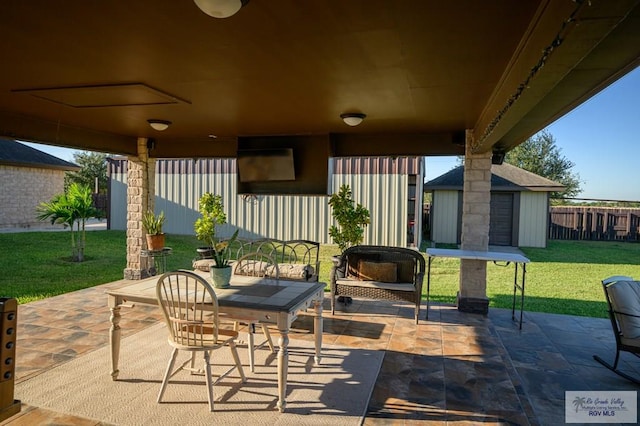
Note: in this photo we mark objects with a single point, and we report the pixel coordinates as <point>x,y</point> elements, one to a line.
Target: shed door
<point>501,222</point>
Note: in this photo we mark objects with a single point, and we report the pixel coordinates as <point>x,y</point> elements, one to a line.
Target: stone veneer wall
<point>22,190</point>
<point>140,184</point>
<point>476,210</point>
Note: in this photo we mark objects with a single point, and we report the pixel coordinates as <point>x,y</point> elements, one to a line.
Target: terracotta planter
<point>220,277</point>
<point>155,242</point>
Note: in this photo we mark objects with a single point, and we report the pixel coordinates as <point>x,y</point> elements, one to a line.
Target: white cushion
<point>203,264</point>
<point>294,271</point>
<point>251,267</point>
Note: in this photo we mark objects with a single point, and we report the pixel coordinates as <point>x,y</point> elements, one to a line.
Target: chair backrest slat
<point>190,308</point>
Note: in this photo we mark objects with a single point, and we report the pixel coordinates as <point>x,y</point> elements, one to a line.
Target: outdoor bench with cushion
<point>296,259</point>
<point>378,272</point>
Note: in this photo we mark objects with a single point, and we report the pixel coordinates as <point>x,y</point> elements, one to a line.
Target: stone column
<point>140,198</point>
<point>472,296</point>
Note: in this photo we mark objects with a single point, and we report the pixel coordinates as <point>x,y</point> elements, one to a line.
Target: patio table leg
<point>114,336</point>
<point>317,329</point>
<point>114,340</point>
<point>283,367</point>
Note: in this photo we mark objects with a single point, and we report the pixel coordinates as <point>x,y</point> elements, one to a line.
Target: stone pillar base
<point>136,274</point>
<point>473,305</point>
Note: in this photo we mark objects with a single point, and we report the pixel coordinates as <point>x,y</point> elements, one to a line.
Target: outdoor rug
<point>336,392</point>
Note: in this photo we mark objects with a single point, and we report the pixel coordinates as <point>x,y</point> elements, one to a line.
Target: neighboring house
<point>391,188</point>
<point>519,207</point>
<point>29,177</point>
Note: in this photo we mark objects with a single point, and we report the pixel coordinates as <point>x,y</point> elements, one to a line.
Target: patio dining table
<point>247,297</point>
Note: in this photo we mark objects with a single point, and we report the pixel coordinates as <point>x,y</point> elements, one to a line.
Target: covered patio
<point>455,367</point>
<point>430,78</point>
<point>424,78</point>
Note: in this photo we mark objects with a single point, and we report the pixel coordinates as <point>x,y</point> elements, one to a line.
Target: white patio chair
<point>190,309</point>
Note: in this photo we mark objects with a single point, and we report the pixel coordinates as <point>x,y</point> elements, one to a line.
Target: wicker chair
<point>623,300</point>
<point>378,272</point>
<point>190,309</point>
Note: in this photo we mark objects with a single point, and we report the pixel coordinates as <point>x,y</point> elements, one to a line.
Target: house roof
<point>504,177</point>
<point>14,153</point>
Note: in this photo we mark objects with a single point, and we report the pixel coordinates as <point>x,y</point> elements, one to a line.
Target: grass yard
<point>563,278</point>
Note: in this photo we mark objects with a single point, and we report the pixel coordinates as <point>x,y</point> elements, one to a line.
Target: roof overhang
<point>89,76</point>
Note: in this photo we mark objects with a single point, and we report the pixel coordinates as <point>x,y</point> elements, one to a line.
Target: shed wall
<point>444,225</point>
<point>534,208</point>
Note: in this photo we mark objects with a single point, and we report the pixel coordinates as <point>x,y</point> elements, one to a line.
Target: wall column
<point>140,198</point>
<point>476,200</point>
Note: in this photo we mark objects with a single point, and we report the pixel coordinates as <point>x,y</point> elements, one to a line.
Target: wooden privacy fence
<point>594,223</point>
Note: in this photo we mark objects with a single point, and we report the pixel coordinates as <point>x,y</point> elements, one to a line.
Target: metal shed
<point>391,188</point>
<point>519,206</point>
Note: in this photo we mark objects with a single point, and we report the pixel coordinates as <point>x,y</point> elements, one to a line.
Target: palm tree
<point>72,208</point>
<point>578,402</point>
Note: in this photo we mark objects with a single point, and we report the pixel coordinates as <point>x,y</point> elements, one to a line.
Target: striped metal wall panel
<point>378,165</point>
<point>386,198</point>
<point>444,217</point>
<point>532,229</point>
<point>118,195</point>
<point>180,183</point>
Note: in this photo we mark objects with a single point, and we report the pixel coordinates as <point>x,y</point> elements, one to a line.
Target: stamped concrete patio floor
<point>455,368</point>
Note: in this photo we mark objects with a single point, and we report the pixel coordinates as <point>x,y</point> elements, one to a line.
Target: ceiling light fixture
<point>159,125</point>
<point>352,118</point>
<point>220,8</point>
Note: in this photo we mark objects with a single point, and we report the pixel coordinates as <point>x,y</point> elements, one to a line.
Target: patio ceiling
<point>89,75</point>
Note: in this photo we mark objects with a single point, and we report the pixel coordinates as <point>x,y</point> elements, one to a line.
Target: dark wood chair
<point>623,300</point>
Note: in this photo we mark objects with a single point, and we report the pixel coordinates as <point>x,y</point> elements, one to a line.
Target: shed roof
<point>14,153</point>
<point>504,177</point>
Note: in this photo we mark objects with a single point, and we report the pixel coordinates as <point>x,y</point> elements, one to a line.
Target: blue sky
<point>600,137</point>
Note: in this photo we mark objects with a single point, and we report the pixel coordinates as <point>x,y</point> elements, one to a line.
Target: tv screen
<point>264,165</point>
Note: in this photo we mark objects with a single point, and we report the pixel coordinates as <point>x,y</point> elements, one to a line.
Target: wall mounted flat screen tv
<point>265,165</point>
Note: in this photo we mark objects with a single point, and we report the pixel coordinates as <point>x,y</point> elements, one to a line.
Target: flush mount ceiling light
<point>159,125</point>
<point>352,118</point>
<point>220,8</point>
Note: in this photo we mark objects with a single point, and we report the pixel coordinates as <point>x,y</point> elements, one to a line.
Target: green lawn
<point>563,278</point>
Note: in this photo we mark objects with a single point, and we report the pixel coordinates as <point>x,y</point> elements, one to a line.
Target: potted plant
<point>221,270</point>
<point>211,215</point>
<point>152,224</point>
<point>351,218</point>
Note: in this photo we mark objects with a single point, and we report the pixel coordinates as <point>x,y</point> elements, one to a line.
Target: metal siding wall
<point>283,217</point>
<point>384,195</point>
<point>118,198</point>
<point>179,185</point>
<point>533,219</point>
<point>417,237</point>
<point>444,213</point>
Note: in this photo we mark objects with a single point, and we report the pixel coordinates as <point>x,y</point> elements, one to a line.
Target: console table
<point>518,260</point>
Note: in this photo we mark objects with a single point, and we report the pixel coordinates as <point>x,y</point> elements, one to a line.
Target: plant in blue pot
<point>221,270</point>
